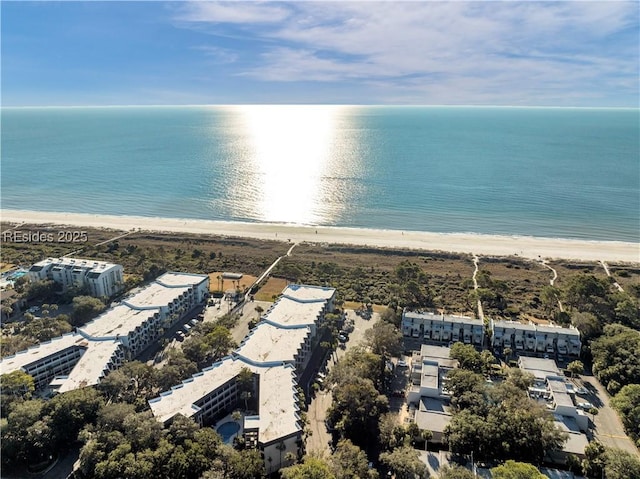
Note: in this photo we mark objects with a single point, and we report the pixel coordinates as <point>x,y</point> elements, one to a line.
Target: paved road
<point>608,427</point>
<point>320,439</point>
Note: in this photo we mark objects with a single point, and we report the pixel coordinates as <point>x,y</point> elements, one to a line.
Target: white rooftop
<point>440,354</point>
<point>41,351</point>
<point>304,293</point>
<point>287,312</point>
<point>173,279</point>
<point>446,318</point>
<point>540,368</point>
<point>278,408</point>
<point>155,295</point>
<point>268,344</point>
<point>546,328</point>
<point>119,320</point>
<point>429,378</point>
<point>91,367</point>
<point>76,262</point>
<point>181,399</point>
<point>277,411</point>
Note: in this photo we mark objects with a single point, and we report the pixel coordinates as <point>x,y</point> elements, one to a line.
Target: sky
<point>536,53</point>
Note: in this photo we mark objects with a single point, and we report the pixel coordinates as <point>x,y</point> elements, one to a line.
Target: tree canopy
<point>516,470</point>
<point>627,403</point>
<point>616,357</point>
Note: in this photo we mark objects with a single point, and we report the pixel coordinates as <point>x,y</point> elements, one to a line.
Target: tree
<point>405,463</point>
<point>42,290</point>
<point>220,341</point>
<point>350,462</point>
<point>516,470</point>
<point>520,379</point>
<point>358,362</point>
<point>616,357</point>
<point>621,465</point>
<point>594,461</point>
<point>17,384</point>
<point>384,339</point>
<point>549,296</point>
<point>70,412</point>
<point>455,472</point>
<point>311,468</point>
<point>392,433</point>
<point>355,410</point>
<point>627,403</point>
<point>85,308</point>
<point>467,357</point>
<point>466,388</point>
<point>588,293</point>
<point>587,324</point>
<point>575,367</point>
<point>26,437</point>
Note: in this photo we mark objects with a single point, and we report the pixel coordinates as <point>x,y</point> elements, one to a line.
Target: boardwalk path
<point>545,263</point>
<point>606,270</point>
<point>475,286</point>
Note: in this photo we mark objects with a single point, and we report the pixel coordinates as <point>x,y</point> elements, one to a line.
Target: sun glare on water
<point>290,154</point>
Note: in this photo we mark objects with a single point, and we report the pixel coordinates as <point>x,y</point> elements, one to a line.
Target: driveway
<point>320,439</point>
<point>608,426</point>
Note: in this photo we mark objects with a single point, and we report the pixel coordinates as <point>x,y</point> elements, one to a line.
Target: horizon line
<point>226,105</point>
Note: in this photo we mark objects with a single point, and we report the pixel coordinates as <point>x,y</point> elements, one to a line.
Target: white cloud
<point>232,12</point>
<point>423,49</point>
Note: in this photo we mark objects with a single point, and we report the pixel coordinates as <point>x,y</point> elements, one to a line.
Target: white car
<point>585,405</point>
<point>402,363</point>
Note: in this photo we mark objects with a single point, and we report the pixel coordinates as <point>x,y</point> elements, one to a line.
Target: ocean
<point>549,172</point>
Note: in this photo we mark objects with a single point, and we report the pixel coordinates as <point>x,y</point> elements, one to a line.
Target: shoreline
<point>530,247</point>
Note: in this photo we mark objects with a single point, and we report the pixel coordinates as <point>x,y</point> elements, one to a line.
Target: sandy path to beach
<point>487,245</point>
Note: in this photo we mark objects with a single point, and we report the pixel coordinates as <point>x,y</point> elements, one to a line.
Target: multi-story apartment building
<point>277,351</point>
<point>535,339</point>
<point>551,389</point>
<point>122,332</point>
<point>97,277</point>
<point>440,328</point>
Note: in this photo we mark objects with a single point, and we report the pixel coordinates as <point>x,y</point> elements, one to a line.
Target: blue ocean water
<point>572,173</point>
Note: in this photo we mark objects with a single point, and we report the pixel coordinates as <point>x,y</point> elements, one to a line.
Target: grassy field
<point>358,273</point>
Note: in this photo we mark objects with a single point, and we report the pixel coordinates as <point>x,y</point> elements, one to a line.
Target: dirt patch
<point>216,284</point>
<point>273,287</point>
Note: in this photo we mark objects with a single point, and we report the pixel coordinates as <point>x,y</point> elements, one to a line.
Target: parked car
<point>402,363</point>
<point>585,405</point>
<point>342,338</point>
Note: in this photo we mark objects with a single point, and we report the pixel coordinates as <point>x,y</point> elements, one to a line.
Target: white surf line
<point>606,270</point>
<point>475,285</point>
<point>544,263</point>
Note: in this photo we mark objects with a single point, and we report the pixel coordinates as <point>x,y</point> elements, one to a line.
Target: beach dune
<point>487,245</point>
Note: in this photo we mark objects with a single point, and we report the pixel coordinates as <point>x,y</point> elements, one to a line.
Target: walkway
<point>101,243</point>
<point>606,270</point>
<point>268,271</point>
<point>545,264</point>
<point>475,286</point>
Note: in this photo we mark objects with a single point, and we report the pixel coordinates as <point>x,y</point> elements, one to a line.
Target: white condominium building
<point>277,351</point>
<point>98,277</point>
<point>122,332</point>
<point>441,328</point>
<point>532,338</point>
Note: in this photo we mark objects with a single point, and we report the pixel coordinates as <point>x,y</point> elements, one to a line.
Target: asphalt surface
<point>608,426</point>
<point>320,439</point>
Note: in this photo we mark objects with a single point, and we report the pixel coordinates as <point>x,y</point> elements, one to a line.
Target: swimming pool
<point>16,275</point>
<point>228,430</point>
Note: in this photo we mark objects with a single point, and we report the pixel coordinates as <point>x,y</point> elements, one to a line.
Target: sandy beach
<point>488,245</point>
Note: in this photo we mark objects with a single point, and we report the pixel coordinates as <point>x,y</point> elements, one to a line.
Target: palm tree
<point>281,447</point>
